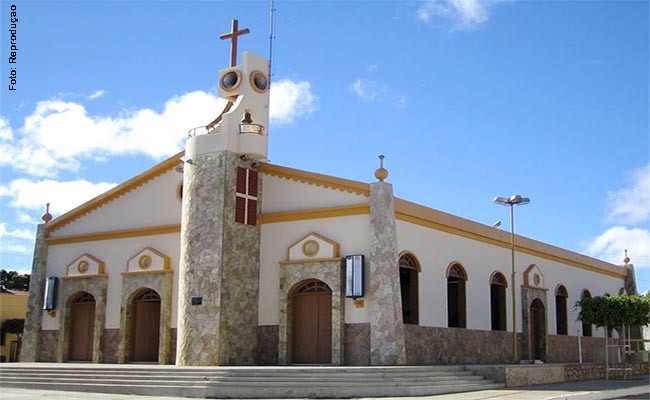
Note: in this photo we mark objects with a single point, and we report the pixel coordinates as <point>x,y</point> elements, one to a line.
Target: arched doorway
<point>311,304</point>
<point>146,326</point>
<point>408,281</point>
<point>82,327</point>
<point>537,330</point>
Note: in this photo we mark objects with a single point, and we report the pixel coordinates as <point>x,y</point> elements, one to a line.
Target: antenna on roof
<point>271,36</point>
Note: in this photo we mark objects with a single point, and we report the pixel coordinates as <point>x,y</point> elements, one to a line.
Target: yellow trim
<point>117,234</point>
<point>84,277</point>
<point>332,182</point>
<point>114,193</point>
<point>420,215</point>
<point>309,261</point>
<point>314,213</point>
<point>155,271</point>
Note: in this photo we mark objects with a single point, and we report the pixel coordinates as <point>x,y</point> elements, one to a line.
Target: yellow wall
<point>11,306</point>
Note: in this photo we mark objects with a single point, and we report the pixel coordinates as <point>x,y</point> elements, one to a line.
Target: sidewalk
<point>637,389</point>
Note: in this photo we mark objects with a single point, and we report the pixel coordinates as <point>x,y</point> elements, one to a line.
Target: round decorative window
<point>310,248</point>
<point>83,266</point>
<point>144,261</point>
<point>259,81</point>
<point>230,80</point>
<point>536,279</point>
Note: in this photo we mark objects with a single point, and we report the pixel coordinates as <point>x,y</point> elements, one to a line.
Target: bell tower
<point>220,237</point>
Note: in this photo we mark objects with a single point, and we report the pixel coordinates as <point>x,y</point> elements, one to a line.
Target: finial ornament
<point>232,35</point>
<point>626,260</point>
<point>381,173</point>
<point>47,217</point>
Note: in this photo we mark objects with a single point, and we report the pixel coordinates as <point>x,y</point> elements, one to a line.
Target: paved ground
<point>636,389</point>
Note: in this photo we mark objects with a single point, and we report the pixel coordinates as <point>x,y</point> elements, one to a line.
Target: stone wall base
<point>49,345</point>
<point>267,345</point>
<point>357,344</point>
<point>528,375</point>
<point>426,345</point>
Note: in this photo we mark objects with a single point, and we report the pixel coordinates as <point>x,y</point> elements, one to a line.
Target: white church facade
<point>217,257</point>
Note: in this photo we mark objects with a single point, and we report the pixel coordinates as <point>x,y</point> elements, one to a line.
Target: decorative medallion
<point>83,266</point>
<point>536,279</point>
<point>259,81</point>
<point>310,248</point>
<point>144,261</point>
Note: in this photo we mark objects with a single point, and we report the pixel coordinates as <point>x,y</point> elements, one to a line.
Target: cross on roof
<point>233,34</point>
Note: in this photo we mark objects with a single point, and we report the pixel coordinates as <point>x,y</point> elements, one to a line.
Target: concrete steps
<point>245,382</point>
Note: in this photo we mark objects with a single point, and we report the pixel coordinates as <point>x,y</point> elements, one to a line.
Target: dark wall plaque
<point>197,301</point>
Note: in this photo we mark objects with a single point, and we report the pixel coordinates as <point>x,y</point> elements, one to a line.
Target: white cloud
<point>462,14</point>
<point>611,245</point>
<point>631,205</point>
<point>60,134</point>
<point>290,100</point>
<point>25,218</point>
<point>97,94</point>
<point>373,91</point>
<point>5,130</point>
<point>26,194</point>
<point>10,246</point>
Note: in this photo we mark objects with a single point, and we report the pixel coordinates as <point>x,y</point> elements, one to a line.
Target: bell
<point>247,118</point>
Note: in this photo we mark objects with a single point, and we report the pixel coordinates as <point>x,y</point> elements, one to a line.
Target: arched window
<point>408,281</point>
<point>586,329</point>
<point>498,286</point>
<point>561,322</point>
<point>456,278</point>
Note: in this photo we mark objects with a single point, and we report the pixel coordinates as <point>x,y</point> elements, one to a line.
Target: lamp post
<point>512,201</point>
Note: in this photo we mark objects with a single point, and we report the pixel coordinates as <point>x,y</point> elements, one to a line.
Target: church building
<point>217,257</point>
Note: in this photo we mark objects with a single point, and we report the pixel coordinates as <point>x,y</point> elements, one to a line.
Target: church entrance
<point>537,329</point>
<point>82,326</point>
<point>146,327</point>
<point>312,323</point>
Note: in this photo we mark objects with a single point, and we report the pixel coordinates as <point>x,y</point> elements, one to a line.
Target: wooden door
<point>82,324</point>
<point>146,330</point>
<point>312,324</point>
<point>537,329</point>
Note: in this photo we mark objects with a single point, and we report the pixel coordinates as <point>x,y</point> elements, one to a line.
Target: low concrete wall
<point>529,375</point>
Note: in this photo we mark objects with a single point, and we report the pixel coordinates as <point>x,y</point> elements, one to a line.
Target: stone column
<point>219,267</point>
<point>30,347</point>
<point>387,346</point>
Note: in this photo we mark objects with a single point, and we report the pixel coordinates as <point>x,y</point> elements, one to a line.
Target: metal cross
<point>235,32</point>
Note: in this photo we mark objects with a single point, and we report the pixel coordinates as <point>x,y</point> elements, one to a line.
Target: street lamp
<point>512,201</point>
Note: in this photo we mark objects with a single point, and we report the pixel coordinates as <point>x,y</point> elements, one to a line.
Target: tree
<point>12,280</point>
<point>14,326</point>
<point>615,311</point>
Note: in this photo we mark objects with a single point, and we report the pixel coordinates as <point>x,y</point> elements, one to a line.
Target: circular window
<point>230,80</point>
<point>83,266</point>
<point>144,262</point>
<point>310,248</point>
<point>259,81</point>
<point>536,279</point>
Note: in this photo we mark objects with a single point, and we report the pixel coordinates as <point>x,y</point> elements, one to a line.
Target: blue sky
<point>467,99</point>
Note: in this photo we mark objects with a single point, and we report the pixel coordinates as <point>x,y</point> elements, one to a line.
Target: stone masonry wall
<point>357,344</point>
<point>219,264</point>
<point>433,345</point>
<point>385,302</point>
<point>267,345</point>
<point>30,349</point>
<point>49,343</point>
